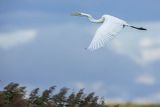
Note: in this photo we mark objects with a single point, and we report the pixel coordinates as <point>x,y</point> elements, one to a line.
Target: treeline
<point>14,95</point>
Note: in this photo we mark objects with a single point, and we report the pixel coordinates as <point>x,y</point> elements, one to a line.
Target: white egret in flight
<point>110,27</point>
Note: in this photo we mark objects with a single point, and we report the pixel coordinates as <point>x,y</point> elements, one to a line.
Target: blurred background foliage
<point>14,95</point>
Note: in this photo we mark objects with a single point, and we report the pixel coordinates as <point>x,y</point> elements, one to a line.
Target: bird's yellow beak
<point>76,14</point>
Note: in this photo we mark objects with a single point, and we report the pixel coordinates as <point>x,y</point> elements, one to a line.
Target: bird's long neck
<point>101,20</point>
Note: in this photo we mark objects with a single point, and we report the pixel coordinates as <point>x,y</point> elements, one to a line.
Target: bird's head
<point>77,14</point>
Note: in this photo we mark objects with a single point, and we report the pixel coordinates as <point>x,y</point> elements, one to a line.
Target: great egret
<point>108,30</point>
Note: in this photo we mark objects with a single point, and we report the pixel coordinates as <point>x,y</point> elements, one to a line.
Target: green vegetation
<point>14,95</point>
<point>135,105</point>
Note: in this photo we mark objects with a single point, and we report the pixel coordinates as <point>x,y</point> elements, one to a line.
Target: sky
<point>42,45</point>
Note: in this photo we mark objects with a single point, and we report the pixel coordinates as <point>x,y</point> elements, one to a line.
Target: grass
<point>134,105</point>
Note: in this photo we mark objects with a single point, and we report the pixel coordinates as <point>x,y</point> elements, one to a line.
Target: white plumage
<point>107,31</point>
<point>110,27</point>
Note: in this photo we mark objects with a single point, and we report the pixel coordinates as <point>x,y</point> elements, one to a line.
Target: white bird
<point>110,27</point>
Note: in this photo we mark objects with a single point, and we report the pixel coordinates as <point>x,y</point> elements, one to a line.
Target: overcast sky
<point>42,45</point>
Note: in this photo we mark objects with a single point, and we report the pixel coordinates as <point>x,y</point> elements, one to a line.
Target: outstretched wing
<point>107,31</point>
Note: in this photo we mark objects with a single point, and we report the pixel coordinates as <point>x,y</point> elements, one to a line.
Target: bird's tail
<point>138,28</point>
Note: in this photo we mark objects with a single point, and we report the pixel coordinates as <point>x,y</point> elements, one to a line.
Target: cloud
<point>146,42</point>
<point>150,49</point>
<point>142,47</point>
<point>150,55</point>
<point>98,87</point>
<point>16,38</point>
<point>150,99</point>
<point>115,101</point>
<point>145,79</point>
<point>79,85</point>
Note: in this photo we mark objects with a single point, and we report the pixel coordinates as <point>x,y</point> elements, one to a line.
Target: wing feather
<point>107,31</point>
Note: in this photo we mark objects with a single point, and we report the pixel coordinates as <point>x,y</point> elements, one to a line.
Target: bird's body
<point>107,31</point>
<point>110,27</point>
<point>113,19</point>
